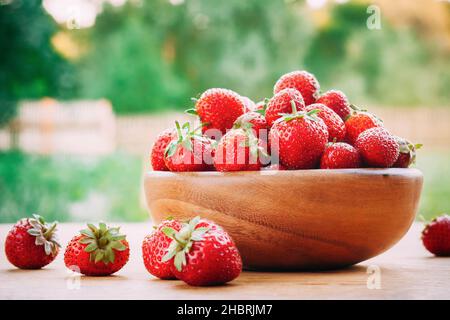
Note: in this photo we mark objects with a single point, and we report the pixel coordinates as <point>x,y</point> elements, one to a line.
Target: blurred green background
<point>150,57</point>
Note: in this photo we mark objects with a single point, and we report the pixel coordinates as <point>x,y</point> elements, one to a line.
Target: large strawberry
<point>203,254</point>
<point>358,122</point>
<point>189,150</point>
<point>155,246</point>
<point>335,125</point>
<point>255,121</point>
<point>436,236</point>
<point>219,108</point>
<point>283,102</point>
<point>32,243</point>
<point>159,148</point>
<point>377,147</point>
<point>97,251</point>
<point>340,155</point>
<point>407,154</point>
<point>239,150</point>
<point>337,101</point>
<point>303,81</point>
<point>298,139</point>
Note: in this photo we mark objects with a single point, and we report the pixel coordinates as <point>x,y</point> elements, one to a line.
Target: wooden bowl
<point>301,220</point>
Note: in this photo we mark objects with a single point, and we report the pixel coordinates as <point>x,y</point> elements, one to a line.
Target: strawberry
<point>188,151</point>
<point>219,108</point>
<point>249,105</point>
<point>239,150</point>
<point>32,243</point>
<point>358,122</point>
<point>340,155</point>
<point>155,246</point>
<point>335,125</point>
<point>158,149</point>
<point>299,139</point>
<point>407,154</point>
<point>436,236</point>
<point>377,147</point>
<point>303,81</point>
<point>336,101</point>
<point>203,254</point>
<point>97,251</point>
<point>261,106</point>
<point>254,120</point>
<point>282,102</point>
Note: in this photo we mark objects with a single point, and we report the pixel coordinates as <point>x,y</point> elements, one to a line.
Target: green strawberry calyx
<point>45,234</point>
<point>263,110</point>
<point>310,115</point>
<point>182,241</point>
<point>102,242</point>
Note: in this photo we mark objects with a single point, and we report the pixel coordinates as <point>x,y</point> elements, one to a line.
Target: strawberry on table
<point>159,148</point>
<point>340,155</point>
<point>97,251</point>
<point>218,109</point>
<point>155,246</point>
<point>305,82</point>
<point>335,125</point>
<point>358,122</point>
<point>377,147</point>
<point>203,254</point>
<point>436,236</point>
<point>189,150</point>
<point>407,154</point>
<point>32,243</point>
<point>282,102</point>
<point>299,139</point>
<point>337,101</point>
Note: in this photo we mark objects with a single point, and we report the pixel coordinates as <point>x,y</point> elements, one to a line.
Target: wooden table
<point>407,271</point>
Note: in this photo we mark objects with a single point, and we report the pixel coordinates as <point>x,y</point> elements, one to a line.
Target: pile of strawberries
<point>298,128</point>
<point>198,251</point>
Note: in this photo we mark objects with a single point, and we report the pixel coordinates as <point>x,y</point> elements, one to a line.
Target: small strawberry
<point>219,108</point>
<point>189,151</point>
<point>407,154</point>
<point>155,246</point>
<point>249,105</point>
<point>358,122</point>
<point>336,101</point>
<point>436,236</point>
<point>299,139</point>
<point>239,150</point>
<point>335,125</point>
<point>203,254</point>
<point>340,155</point>
<point>97,251</point>
<point>303,81</point>
<point>255,121</point>
<point>282,102</point>
<point>32,243</point>
<point>377,147</point>
<point>158,149</point>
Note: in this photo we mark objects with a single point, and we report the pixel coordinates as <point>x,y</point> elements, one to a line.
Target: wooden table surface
<point>407,271</point>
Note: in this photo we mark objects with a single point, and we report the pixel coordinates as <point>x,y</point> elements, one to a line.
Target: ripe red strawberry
<point>436,236</point>
<point>299,140</point>
<point>188,151</point>
<point>282,102</point>
<point>377,147</point>
<point>219,108</point>
<point>303,81</point>
<point>407,154</point>
<point>239,150</point>
<point>32,243</point>
<point>159,148</point>
<point>203,254</point>
<point>358,122</point>
<point>340,155</point>
<point>336,101</point>
<point>249,105</point>
<point>155,246</point>
<point>97,251</point>
<point>335,125</point>
<point>255,121</point>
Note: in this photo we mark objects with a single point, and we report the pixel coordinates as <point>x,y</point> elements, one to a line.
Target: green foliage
<point>53,186</point>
